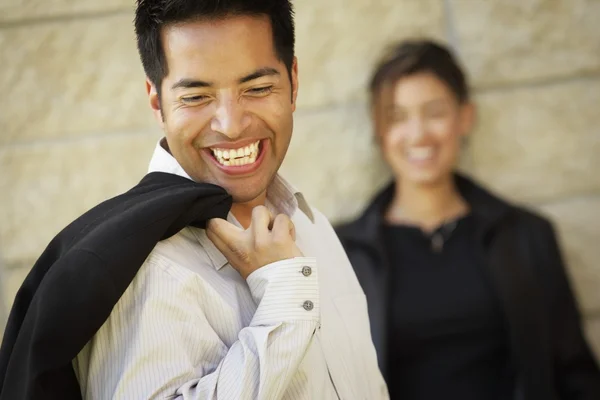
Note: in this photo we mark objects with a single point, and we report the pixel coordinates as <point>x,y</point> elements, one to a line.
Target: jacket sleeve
<point>576,370</point>
<point>159,342</point>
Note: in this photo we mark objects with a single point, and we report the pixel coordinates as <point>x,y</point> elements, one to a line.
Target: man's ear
<point>155,103</point>
<point>294,82</point>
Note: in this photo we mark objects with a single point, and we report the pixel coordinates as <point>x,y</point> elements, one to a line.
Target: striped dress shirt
<point>190,327</point>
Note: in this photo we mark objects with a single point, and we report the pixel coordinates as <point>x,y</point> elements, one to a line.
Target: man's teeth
<point>237,157</point>
<point>421,153</point>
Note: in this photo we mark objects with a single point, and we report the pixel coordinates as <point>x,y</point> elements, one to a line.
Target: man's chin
<point>247,189</point>
<point>249,192</point>
<point>240,197</point>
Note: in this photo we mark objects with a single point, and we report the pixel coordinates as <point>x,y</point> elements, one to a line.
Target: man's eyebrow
<point>187,83</point>
<point>259,73</point>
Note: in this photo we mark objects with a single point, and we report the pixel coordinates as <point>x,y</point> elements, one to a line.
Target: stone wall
<point>76,129</point>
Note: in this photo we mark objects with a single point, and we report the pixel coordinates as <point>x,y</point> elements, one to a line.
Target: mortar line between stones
<point>591,315</point>
<point>16,265</point>
<point>451,32</point>
<point>77,16</point>
<point>580,76</point>
<point>584,195</point>
<point>74,138</point>
<point>58,141</point>
<point>317,109</point>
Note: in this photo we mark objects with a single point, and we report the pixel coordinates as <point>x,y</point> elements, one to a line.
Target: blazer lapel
<point>522,304</point>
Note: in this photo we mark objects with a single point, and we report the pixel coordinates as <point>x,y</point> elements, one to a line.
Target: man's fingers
<point>219,244</point>
<point>283,226</point>
<point>224,230</point>
<point>261,221</point>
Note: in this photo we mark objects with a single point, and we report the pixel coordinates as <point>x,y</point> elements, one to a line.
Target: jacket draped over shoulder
<point>74,285</point>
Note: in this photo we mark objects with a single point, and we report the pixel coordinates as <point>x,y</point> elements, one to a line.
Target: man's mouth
<point>237,157</point>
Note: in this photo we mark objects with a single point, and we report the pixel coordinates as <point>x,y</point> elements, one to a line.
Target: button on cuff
<point>280,290</point>
<point>308,305</point>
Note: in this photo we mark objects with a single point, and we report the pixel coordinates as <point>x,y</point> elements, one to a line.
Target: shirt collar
<point>282,197</point>
<point>163,161</point>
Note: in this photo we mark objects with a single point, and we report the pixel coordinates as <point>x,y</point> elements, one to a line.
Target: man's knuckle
<point>259,210</point>
<point>280,240</point>
<point>283,218</point>
<point>241,254</point>
<point>262,243</point>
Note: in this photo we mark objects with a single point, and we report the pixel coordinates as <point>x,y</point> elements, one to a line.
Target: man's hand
<point>266,240</point>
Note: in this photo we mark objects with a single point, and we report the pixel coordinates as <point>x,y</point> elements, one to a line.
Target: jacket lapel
<point>508,261</point>
<point>522,304</point>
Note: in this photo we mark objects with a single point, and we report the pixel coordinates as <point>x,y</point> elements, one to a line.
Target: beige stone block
<point>593,335</point>
<point>71,78</point>
<point>539,143</point>
<point>527,40</point>
<point>333,160</point>
<point>16,10</point>
<point>339,41</point>
<point>46,186</point>
<point>578,224</point>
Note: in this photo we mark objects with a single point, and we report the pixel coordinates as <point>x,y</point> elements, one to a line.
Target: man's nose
<point>230,117</point>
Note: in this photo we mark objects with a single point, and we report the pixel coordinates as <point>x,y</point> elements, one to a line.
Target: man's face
<point>227,103</point>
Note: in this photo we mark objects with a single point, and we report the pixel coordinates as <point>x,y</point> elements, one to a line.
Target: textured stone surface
<point>339,41</point>
<point>593,335</point>
<point>539,143</point>
<point>46,186</point>
<point>16,10</point>
<point>333,161</point>
<point>513,41</point>
<point>70,78</point>
<point>578,225</point>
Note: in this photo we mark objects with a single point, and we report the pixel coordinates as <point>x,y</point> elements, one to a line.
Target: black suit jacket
<point>523,260</point>
<point>74,285</point>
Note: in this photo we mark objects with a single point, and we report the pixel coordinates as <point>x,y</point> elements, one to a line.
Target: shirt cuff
<point>286,290</point>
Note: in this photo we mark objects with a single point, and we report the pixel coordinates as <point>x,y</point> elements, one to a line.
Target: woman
<point>468,295</point>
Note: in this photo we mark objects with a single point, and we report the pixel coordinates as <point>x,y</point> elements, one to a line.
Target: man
<point>263,305</point>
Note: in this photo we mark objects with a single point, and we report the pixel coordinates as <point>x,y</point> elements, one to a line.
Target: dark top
<point>78,279</point>
<point>448,336</point>
<point>520,254</point>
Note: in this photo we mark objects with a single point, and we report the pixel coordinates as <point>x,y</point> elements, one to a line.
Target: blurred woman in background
<point>468,295</point>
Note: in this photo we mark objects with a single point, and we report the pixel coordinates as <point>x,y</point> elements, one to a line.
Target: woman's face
<point>420,123</point>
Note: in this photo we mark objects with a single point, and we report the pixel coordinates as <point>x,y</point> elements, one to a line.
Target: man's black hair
<point>152,15</point>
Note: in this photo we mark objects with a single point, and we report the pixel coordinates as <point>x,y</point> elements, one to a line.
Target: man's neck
<point>243,211</point>
<point>426,206</point>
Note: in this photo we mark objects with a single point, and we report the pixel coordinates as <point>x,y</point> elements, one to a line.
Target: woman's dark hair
<point>416,56</point>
